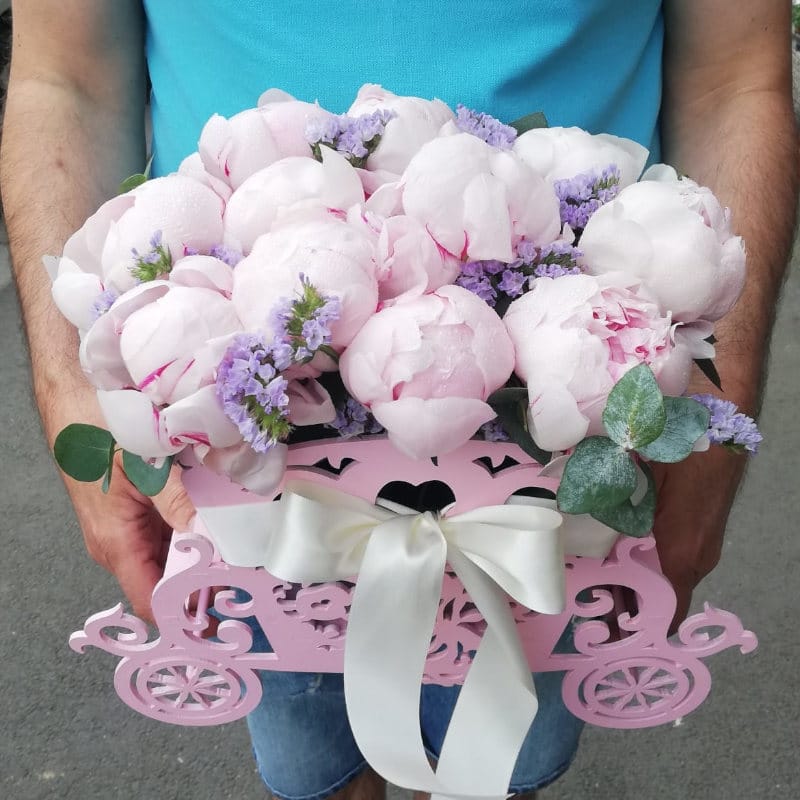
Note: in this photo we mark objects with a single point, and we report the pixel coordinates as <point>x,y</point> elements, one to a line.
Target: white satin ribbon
<point>323,535</point>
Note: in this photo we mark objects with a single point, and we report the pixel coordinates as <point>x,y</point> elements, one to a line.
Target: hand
<point>694,500</point>
<point>128,533</point>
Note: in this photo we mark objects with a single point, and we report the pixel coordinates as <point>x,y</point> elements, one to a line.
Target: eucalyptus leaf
<point>633,520</point>
<point>706,366</point>
<point>149,480</point>
<point>84,452</point>
<point>598,475</point>
<point>132,181</point>
<point>687,421</point>
<point>513,418</point>
<point>529,122</point>
<point>634,414</point>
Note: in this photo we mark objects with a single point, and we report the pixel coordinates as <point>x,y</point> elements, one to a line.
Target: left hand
<point>694,499</point>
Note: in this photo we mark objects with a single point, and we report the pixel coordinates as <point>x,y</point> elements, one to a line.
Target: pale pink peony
<point>675,238</point>
<point>255,205</point>
<point>477,201</point>
<point>425,367</point>
<point>334,256</point>
<point>416,122</point>
<point>164,341</point>
<point>561,153</point>
<point>186,212</point>
<point>575,337</point>
<point>234,149</point>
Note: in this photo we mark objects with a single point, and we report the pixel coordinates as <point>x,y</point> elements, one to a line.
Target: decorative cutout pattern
<point>621,671</point>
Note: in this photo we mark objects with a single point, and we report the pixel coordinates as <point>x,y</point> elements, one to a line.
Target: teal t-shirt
<point>591,63</point>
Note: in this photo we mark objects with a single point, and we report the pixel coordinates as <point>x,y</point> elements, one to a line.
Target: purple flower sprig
<point>354,419</point>
<point>497,282</point>
<point>356,138</point>
<point>302,324</point>
<point>728,426</point>
<point>253,392</point>
<point>581,195</point>
<point>485,127</point>
<point>155,263</point>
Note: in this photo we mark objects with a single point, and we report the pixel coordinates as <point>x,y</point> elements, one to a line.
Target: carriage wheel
<point>637,692</point>
<point>185,690</point>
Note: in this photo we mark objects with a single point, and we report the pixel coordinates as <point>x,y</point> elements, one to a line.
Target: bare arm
<point>73,131</point>
<point>74,128</point>
<point>728,122</point>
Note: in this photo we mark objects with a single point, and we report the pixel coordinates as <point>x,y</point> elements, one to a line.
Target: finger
<point>174,504</point>
<point>137,578</point>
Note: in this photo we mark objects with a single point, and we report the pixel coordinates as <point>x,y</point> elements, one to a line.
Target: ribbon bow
<point>321,534</point>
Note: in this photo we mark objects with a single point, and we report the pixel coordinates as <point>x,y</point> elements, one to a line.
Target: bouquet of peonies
<point>404,269</point>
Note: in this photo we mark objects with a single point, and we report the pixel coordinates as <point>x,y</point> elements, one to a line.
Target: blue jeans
<point>305,750</point>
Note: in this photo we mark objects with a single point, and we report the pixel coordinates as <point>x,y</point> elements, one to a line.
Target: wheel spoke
<point>164,691</point>
<point>610,694</point>
<point>666,680</point>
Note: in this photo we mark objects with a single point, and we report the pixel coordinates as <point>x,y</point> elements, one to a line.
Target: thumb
<point>173,504</point>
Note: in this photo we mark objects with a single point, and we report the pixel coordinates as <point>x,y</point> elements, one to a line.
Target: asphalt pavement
<point>66,735</point>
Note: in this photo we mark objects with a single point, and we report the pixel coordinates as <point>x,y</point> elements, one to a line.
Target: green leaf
<point>706,366</point>
<point>634,414</point>
<point>508,394</point>
<point>513,417</point>
<point>84,452</point>
<point>132,181</point>
<point>147,479</point>
<point>598,475</point>
<point>687,421</point>
<point>529,122</point>
<point>633,520</point>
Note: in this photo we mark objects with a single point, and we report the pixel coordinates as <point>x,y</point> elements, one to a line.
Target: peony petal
<point>554,420</point>
<point>200,419</point>
<point>309,403</point>
<point>136,424</point>
<point>261,473</point>
<point>424,428</point>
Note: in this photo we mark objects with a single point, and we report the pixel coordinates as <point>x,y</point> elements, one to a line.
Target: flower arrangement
<point>406,269</point>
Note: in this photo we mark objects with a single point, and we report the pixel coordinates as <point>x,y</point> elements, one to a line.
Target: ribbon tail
<point>392,614</point>
<point>499,671</point>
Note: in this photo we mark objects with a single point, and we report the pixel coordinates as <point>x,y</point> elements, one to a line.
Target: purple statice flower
<point>485,127</point>
<point>581,195</point>
<point>322,130</point>
<point>103,302</point>
<point>361,135</point>
<point>188,250</point>
<point>474,278</point>
<point>493,431</point>
<point>155,263</point>
<point>253,392</point>
<point>513,282</point>
<point>354,419</point>
<point>230,255</point>
<point>304,323</point>
<point>353,137</point>
<point>728,426</point>
<point>550,261</point>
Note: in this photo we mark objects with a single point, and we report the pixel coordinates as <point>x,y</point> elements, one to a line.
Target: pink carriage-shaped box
<point>624,671</point>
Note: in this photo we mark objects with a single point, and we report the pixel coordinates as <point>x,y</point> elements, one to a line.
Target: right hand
<point>129,533</point>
